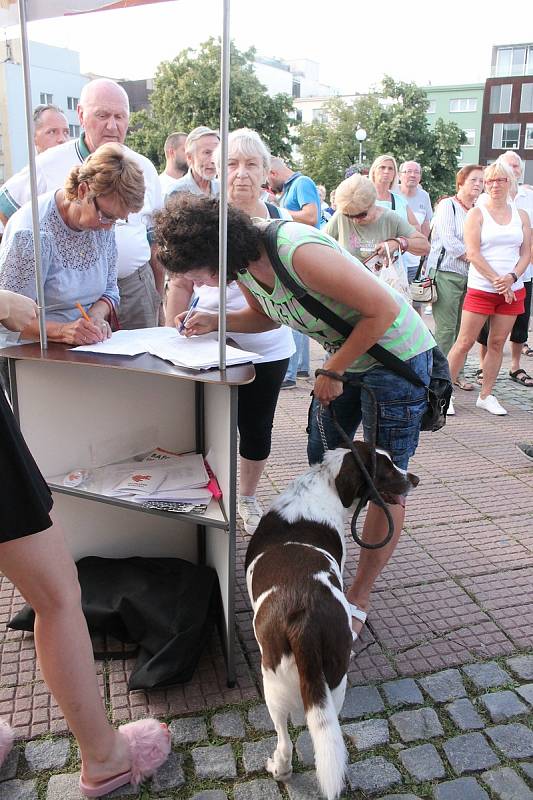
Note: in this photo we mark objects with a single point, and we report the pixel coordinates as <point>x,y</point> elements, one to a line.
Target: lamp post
<point>360,135</point>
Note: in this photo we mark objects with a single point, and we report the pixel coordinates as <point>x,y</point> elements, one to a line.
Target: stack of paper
<point>198,352</point>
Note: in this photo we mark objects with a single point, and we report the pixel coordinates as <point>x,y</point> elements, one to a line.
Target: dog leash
<point>371,493</point>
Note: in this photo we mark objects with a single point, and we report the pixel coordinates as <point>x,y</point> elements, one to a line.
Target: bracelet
<point>329,373</point>
<point>404,244</point>
<point>514,276</point>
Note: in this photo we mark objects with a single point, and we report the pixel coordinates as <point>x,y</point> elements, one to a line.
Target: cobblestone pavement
<point>440,688</point>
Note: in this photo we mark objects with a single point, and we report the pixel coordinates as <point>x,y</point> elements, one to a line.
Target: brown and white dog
<point>302,621</point>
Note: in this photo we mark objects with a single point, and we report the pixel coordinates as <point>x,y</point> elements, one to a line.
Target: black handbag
<point>439,391</point>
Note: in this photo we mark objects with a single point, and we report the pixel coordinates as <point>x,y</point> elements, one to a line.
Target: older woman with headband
<point>248,164</point>
<point>363,227</point>
<point>188,245</point>
<point>498,247</point>
<point>78,251</point>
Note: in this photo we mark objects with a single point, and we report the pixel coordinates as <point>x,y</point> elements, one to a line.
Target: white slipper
<point>359,614</point>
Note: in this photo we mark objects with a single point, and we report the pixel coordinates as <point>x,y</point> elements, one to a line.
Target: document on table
<point>198,352</point>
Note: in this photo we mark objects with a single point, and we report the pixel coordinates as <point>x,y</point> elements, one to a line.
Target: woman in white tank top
<point>498,244</point>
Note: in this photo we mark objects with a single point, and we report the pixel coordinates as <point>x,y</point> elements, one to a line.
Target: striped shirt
<point>448,231</point>
<point>407,337</point>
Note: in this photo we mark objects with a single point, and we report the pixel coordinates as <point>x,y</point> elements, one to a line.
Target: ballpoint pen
<point>188,314</point>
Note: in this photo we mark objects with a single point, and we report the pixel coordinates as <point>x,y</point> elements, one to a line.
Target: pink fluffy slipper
<point>6,740</point>
<point>149,746</point>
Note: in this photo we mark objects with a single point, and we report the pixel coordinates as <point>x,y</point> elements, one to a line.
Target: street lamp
<point>360,135</point>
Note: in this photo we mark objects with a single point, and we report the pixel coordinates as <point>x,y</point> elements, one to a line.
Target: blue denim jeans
<point>400,408</point>
<point>299,361</point>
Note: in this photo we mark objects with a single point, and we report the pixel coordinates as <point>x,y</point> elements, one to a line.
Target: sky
<point>355,43</point>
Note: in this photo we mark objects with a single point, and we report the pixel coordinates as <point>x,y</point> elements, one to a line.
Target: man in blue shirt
<point>301,199</point>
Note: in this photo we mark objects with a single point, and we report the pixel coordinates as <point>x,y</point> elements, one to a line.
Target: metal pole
<point>225,57</point>
<point>33,172</point>
<point>361,153</point>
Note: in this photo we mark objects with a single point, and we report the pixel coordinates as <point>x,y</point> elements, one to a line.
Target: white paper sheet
<point>199,352</point>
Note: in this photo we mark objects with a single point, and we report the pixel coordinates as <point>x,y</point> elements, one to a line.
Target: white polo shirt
<point>133,238</point>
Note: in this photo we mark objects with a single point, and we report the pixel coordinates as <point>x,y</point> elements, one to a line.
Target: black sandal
<point>521,376</point>
<point>479,376</point>
<point>527,350</point>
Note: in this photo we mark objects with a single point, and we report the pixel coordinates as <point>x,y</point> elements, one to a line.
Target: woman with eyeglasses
<point>498,243</point>
<point>362,227</point>
<point>78,251</point>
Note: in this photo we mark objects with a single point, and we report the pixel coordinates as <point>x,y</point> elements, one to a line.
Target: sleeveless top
<point>407,337</point>
<point>500,247</point>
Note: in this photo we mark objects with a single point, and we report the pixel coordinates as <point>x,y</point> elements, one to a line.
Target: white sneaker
<point>451,409</point>
<point>491,404</point>
<point>250,512</point>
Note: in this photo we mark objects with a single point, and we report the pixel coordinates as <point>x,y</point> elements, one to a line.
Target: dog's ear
<point>348,481</point>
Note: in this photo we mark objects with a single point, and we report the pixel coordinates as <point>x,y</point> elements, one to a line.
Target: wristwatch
<point>514,276</point>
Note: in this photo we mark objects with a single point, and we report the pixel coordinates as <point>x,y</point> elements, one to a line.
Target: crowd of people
<point>134,249</point>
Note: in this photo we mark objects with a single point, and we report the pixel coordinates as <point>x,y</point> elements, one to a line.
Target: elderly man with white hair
<point>200,146</point>
<point>523,198</point>
<point>420,204</point>
<point>103,111</point>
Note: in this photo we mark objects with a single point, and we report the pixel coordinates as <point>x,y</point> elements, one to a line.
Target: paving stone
<point>469,752</point>
<point>210,794</point>
<point>305,750</point>
<point>444,686</point>
<point>522,666</point>
<point>514,740</point>
<point>460,789</point>
<point>229,725</point>
<point>261,789</point>
<point>367,734</point>
<point>47,754</point>
<point>8,769</point>
<point>503,706</point>
<point>360,701</point>
<point>420,724</point>
<point>214,762</point>
<point>373,775</point>
<point>170,775</point>
<point>255,754</point>
<point>525,691</point>
<point>303,786</point>
<point>423,762</point>
<point>487,676</point>
<point>188,730</point>
<point>66,787</point>
<point>403,692</point>
<point>400,797</point>
<point>527,768</point>
<point>20,790</point>
<point>259,718</point>
<point>506,784</point>
<point>464,715</point>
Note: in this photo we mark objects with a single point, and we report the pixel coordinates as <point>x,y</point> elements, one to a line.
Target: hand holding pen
<point>188,314</point>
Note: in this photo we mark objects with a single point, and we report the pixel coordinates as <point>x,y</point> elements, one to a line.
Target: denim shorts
<point>400,408</point>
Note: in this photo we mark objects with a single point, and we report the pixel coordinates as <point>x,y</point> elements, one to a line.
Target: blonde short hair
<point>355,194</point>
<point>246,142</point>
<point>381,160</point>
<point>109,170</point>
<point>501,170</point>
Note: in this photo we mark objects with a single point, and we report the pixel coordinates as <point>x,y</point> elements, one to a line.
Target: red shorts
<point>489,303</point>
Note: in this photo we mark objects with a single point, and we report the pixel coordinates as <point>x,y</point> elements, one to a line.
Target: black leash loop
<point>371,492</point>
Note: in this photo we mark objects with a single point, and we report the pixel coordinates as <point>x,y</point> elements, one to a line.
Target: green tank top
<point>408,335</point>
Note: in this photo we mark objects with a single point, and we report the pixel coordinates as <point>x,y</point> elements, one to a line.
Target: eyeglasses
<point>361,215</point>
<point>105,219</point>
<point>410,172</point>
<point>489,181</point>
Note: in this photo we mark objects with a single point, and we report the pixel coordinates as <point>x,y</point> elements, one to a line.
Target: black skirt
<point>25,499</point>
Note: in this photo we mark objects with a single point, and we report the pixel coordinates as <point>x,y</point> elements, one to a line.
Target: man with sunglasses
<point>103,111</point>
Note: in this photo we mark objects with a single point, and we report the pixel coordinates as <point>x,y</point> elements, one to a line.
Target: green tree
<point>187,94</point>
<point>394,118</point>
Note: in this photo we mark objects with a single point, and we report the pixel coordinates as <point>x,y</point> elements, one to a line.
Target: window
<point>72,103</point>
<point>528,139</point>
<point>74,131</point>
<point>1,143</point>
<point>500,99</point>
<point>460,104</point>
<point>514,61</point>
<point>526,98</point>
<point>46,99</point>
<point>299,115</point>
<point>470,137</point>
<point>296,88</point>
<point>432,107</point>
<point>319,115</point>
<point>505,136</point>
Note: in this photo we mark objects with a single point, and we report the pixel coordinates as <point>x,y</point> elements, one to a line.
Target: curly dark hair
<point>187,234</point>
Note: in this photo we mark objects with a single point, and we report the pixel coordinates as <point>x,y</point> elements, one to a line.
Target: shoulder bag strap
<point>392,202</point>
<point>273,211</point>
<point>320,311</point>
